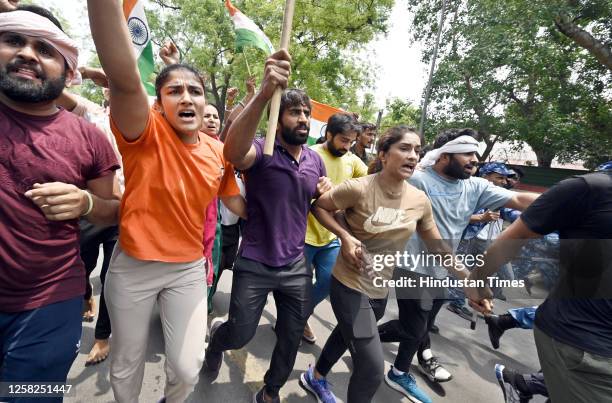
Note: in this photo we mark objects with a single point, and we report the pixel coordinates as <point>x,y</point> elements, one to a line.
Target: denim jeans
<point>524,316</point>
<point>323,258</point>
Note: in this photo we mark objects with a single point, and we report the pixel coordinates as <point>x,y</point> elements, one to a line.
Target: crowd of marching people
<point>172,196</point>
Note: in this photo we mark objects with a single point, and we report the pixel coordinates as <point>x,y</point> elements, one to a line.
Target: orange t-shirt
<point>168,185</point>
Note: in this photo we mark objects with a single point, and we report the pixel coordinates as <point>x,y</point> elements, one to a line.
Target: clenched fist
<point>59,201</point>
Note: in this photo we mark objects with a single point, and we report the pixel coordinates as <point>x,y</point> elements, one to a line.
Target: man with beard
<point>47,157</point>
<point>280,189</point>
<point>454,194</point>
<point>322,246</point>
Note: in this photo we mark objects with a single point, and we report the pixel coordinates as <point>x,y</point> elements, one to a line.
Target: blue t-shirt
<point>453,203</point>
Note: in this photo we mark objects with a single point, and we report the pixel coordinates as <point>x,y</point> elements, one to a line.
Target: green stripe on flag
<point>246,37</point>
<point>146,68</point>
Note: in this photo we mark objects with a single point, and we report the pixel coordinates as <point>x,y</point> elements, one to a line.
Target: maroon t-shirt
<point>39,259</point>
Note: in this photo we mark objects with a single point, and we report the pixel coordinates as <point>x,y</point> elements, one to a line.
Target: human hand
<point>59,201</point>
<point>8,5</point>
<point>169,53</point>
<point>352,251</point>
<point>97,75</point>
<point>230,96</point>
<point>480,299</point>
<point>489,215</point>
<point>250,85</point>
<point>276,73</point>
<point>325,184</point>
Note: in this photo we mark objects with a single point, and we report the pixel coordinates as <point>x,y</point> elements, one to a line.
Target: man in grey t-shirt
<point>454,195</point>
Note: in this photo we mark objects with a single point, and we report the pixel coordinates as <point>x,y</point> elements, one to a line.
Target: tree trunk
<point>600,50</point>
<point>544,155</point>
<point>487,151</point>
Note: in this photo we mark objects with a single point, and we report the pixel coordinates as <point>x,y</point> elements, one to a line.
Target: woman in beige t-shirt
<point>382,212</point>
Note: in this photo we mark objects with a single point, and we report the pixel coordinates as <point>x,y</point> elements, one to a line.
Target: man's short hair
<point>342,123</point>
<point>293,97</point>
<point>451,134</point>
<point>367,126</point>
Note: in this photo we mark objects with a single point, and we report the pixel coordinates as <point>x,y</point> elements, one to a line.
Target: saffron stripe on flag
<point>319,116</point>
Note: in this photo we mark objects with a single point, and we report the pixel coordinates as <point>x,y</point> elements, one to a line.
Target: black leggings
<point>411,330</point>
<point>356,330</point>
<point>90,248</point>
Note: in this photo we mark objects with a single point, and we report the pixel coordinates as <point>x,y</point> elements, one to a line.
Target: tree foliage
<point>326,34</point>
<point>507,70</point>
<point>399,112</point>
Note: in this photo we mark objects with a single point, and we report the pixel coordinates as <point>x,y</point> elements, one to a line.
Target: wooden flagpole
<point>246,60</point>
<point>276,98</point>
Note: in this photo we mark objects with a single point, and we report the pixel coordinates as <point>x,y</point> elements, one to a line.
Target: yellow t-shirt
<point>338,169</point>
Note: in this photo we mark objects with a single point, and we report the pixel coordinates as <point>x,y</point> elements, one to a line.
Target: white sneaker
<point>434,371</point>
<point>308,334</point>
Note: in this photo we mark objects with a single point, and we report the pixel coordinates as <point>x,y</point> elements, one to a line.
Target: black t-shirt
<point>579,310</point>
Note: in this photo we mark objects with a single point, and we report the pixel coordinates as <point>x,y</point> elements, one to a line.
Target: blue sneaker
<point>318,387</point>
<point>406,385</point>
<point>507,381</point>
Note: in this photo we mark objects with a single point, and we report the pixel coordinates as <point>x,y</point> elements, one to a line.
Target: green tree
<point>326,34</point>
<point>399,112</point>
<point>588,23</point>
<point>507,70</point>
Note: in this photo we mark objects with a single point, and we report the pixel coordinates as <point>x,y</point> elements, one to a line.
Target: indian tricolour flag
<point>247,32</point>
<point>141,40</point>
<point>319,116</point>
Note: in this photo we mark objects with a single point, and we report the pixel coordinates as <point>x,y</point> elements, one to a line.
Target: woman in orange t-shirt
<point>172,172</point>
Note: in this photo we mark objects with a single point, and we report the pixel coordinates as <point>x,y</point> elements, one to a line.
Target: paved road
<point>465,353</point>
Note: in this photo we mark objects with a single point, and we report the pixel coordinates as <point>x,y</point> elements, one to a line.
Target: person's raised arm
<point>521,201</point>
<point>505,248</point>
<point>128,99</point>
<point>239,149</point>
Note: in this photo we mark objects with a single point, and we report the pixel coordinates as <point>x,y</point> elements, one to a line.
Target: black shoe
<point>498,324</point>
<point>213,359</point>
<point>508,380</point>
<point>495,331</point>
<point>434,329</point>
<point>259,397</point>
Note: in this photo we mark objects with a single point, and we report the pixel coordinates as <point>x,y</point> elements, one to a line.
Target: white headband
<point>462,144</point>
<point>31,24</point>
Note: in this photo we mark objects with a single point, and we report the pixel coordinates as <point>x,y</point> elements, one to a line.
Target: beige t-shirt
<point>383,222</point>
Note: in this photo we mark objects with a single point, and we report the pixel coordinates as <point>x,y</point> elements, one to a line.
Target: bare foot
<point>99,352</point>
<point>89,310</point>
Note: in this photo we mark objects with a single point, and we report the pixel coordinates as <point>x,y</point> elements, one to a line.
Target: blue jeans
<point>323,258</point>
<point>524,316</point>
<point>40,345</point>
